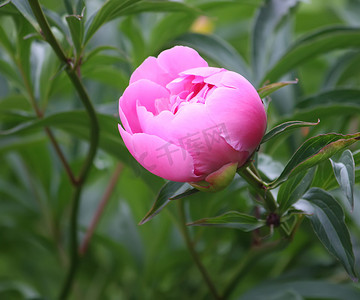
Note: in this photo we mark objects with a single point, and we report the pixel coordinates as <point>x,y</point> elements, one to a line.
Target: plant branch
<point>61,156</point>
<point>193,252</point>
<point>100,209</point>
<point>71,71</point>
<point>48,131</point>
<point>74,256</point>
<point>260,187</point>
<point>46,30</point>
<point>94,140</point>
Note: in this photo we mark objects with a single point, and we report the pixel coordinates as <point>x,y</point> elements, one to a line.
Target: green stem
<point>260,187</point>
<point>94,124</point>
<point>46,30</point>
<point>94,140</point>
<point>74,255</point>
<point>193,252</point>
<point>71,72</point>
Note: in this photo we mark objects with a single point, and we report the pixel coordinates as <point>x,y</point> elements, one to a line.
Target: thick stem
<point>94,124</point>
<point>94,140</point>
<point>84,97</point>
<point>193,252</point>
<point>74,256</point>
<point>100,209</point>
<point>46,30</point>
<point>260,187</point>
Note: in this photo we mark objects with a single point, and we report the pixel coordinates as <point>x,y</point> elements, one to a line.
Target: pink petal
<point>242,114</point>
<point>144,92</point>
<point>179,59</point>
<point>158,125</point>
<point>230,79</point>
<point>203,72</point>
<point>151,70</point>
<point>196,132</point>
<point>193,130</point>
<point>160,157</point>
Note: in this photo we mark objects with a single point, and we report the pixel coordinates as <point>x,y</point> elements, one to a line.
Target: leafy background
<point>316,42</point>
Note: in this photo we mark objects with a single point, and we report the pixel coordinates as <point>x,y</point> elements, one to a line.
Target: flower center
<point>186,90</point>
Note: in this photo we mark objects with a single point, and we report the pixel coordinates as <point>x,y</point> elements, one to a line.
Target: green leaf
<point>15,101</point>
<point>313,151</point>
<point>310,289</point>
<point>76,123</point>
<point>134,33</point>
<point>292,190</point>
<point>74,7</point>
<point>190,191</point>
<point>331,98</point>
<point>326,111</point>
<point>168,28</point>
<point>56,20</point>
<point>268,18</point>
<point>114,8</point>
<point>5,41</point>
<point>231,219</point>
<point>25,9</point>
<point>24,291</point>
<point>10,144</point>
<point>170,191</point>
<point>76,26</point>
<point>324,176</point>
<point>340,68</point>
<point>350,74</point>
<point>287,295</point>
<point>97,52</point>
<point>270,88</point>
<point>11,73</point>
<point>21,56</point>
<point>216,49</point>
<point>47,69</point>
<point>4,2</point>
<point>109,11</point>
<point>344,171</point>
<point>319,42</point>
<point>285,127</point>
<point>328,221</point>
<point>106,74</point>
<point>159,6</point>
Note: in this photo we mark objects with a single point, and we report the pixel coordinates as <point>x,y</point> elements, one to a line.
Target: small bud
<point>273,219</point>
<point>217,180</point>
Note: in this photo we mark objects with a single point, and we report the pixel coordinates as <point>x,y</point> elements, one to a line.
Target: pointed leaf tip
<point>231,219</point>
<point>328,222</point>
<point>270,88</point>
<point>344,171</point>
<point>169,191</point>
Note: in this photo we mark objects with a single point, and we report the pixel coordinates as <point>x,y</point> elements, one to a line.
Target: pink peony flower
<point>184,120</point>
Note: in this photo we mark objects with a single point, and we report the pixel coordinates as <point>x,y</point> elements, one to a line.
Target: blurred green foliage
<point>317,42</point>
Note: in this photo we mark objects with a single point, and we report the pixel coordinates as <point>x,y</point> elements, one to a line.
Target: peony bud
<point>185,121</point>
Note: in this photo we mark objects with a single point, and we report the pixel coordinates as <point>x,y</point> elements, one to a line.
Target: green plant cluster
<point>71,196</point>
